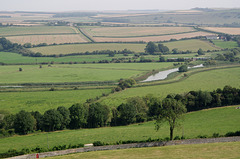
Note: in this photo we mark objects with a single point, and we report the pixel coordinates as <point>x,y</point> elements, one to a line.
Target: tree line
<point>134,110</point>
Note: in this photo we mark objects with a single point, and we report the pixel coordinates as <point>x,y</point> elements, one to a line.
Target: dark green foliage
<point>98,143</point>
<point>183,68</point>
<point>200,52</point>
<point>24,123</point>
<point>127,114</point>
<point>162,59</point>
<point>151,48</point>
<point>78,116</point>
<point>162,48</point>
<point>126,83</point>
<point>52,120</point>
<point>66,117</point>
<point>98,115</point>
<point>38,116</point>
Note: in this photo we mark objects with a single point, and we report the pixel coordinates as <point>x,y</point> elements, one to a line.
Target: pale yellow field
<point>135,31</point>
<point>233,31</point>
<point>152,38</point>
<point>49,39</point>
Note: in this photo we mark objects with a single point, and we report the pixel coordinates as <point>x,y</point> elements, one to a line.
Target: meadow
<point>205,122</point>
<point>41,101</point>
<point>227,30</point>
<point>134,31</point>
<point>82,48</point>
<point>225,44</point>
<point>75,73</point>
<point>36,30</point>
<point>199,151</point>
<point>205,81</point>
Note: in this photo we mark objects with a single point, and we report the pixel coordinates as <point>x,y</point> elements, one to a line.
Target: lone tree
<point>151,48</point>
<point>200,52</point>
<point>162,48</point>
<point>183,68</point>
<point>171,112</point>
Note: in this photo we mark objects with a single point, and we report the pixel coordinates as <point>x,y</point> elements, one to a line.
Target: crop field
<point>205,81</point>
<point>192,45</point>
<point>225,44</point>
<point>49,39</point>
<point>151,38</point>
<point>134,31</point>
<point>82,48</point>
<point>13,58</point>
<point>43,100</point>
<point>232,31</point>
<point>199,151</point>
<point>37,30</point>
<point>220,120</point>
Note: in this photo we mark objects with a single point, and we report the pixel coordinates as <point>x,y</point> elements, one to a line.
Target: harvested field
<point>134,31</point>
<point>38,30</point>
<point>152,38</point>
<point>232,31</point>
<point>49,39</point>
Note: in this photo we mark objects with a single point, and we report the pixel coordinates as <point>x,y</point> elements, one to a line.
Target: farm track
<point>85,35</point>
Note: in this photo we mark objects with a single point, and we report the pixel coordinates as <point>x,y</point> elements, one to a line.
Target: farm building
<point>212,37</point>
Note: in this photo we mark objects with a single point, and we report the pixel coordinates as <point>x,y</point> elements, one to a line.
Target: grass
<point>82,48</point>
<point>37,30</point>
<point>199,151</point>
<point>192,45</point>
<point>225,44</point>
<point>43,100</point>
<point>206,81</point>
<point>219,120</point>
<point>75,73</point>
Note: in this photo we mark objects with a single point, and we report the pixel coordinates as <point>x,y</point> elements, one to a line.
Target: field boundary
<point>127,146</point>
<point>40,34</point>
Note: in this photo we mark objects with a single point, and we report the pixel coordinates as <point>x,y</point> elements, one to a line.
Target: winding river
<point>163,74</point>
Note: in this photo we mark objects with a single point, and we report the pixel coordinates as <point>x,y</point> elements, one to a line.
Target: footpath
<point>127,146</point>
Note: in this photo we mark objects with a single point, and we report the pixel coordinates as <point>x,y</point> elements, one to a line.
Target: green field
<point>82,48</point>
<point>192,45</point>
<point>75,73</point>
<point>41,101</point>
<point>225,44</point>
<point>208,81</point>
<point>199,151</point>
<point>219,120</point>
<point>37,30</point>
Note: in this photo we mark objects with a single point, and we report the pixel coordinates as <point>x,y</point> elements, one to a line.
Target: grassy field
<point>219,120</point>
<point>151,38</point>
<point>38,30</point>
<point>41,101</point>
<point>208,80</point>
<point>13,58</point>
<point>232,31</point>
<point>49,39</point>
<point>192,45</point>
<point>82,48</point>
<point>75,73</point>
<point>199,151</point>
<point>225,44</point>
<point>134,31</point>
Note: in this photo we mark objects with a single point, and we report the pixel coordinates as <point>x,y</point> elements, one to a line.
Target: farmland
<point>194,124</point>
<point>225,44</point>
<point>231,31</point>
<point>208,80</point>
<point>48,39</point>
<point>206,151</point>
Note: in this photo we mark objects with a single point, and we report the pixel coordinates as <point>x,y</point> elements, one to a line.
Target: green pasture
<point>74,73</point>
<point>225,44</point>
<point>205,122</point>
<point>198,151</point>
<point>205,81</point>
<point>13,58</point>
<point>82,48</point>
<point>41,101</point>
<point>37,30</point>
<point>192,45</point>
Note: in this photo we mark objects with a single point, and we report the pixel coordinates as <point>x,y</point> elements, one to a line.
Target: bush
<point>98,143</point>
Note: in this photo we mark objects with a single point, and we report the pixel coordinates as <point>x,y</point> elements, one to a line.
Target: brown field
<point>233,31</point>
<point>152,38</point>
<point>134,31</point>
<point>49,39</point>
